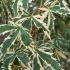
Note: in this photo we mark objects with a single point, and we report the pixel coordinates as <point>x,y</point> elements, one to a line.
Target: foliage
<point>38,34</point>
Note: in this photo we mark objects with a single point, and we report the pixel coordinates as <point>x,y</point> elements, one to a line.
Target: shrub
<point>38,34</point>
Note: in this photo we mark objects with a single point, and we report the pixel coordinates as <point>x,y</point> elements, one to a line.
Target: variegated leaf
<point>9,41</point>
<point>6,28</point>
<point>7,60</point>
<point>46,57</point>
<point>23,58</point>
<point>25,37</point>
<point>15,8</point>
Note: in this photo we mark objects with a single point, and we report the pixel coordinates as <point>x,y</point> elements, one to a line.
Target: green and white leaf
<point>39,23</point>
<point>7,60</point>
<point>27,23</point>
<point>9,41</point>
<point>25,37</point>
<point>25,2</point>
<point>15,8</point>
<point>58,9</point>
<point>46,57</point>
<point>55,9</point>
<point>36,65</point>
<point>6,28</point>
<point>23,58</point>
